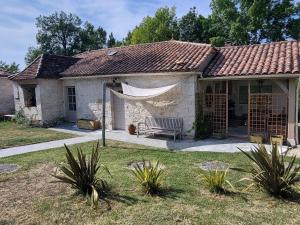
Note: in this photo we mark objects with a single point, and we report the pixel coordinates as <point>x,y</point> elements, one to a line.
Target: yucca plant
<point>149,176</point>
<point>215,180</point>
<point>272,171</point>
<point>81,173</point>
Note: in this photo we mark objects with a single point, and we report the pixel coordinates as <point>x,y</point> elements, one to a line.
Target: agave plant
<point>149,176</point>
<point>81,173</point>
<point>272,171</point>
<point>215,180</point>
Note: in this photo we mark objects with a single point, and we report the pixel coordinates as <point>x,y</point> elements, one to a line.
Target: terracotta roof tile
<point>274,58</point>
<point>167,56</point>
<point>45,66</point>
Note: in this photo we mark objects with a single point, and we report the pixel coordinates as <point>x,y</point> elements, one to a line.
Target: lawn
<point>13,134</point>
<point>29,197</point>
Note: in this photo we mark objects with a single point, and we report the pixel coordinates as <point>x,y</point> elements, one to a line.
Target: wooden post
<point>227,108</point>
<point>249,104</point>
<point>103,112</point>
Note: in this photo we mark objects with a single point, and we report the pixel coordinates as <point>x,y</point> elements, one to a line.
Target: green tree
<point>12,68</point>
<point>253,21</point>
<point>193,27</point>
<point>163,26</point>
<point>32,54</point>
<point>91,38</point>
<point>227,24</point>
<point>63,34</point>
<point>111,42</point>
<point>59,33</point>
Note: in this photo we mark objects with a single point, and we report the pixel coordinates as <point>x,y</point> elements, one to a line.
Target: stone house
<point>241,89</point>
<point>6,94</point>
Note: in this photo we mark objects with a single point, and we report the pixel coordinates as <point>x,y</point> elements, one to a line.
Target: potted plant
<point>131,129</point>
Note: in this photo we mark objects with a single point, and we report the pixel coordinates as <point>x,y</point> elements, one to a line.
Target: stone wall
<point>52,102</point>
<point>32,113</point>
<point>6,96</point>
<point>178,102</point>
<point>89,98</point>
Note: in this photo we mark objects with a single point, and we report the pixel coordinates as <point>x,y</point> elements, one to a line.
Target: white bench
<point>161,125</point>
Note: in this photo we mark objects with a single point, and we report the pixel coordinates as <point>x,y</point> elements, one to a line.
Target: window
<point>29,95</point>
<point>71,98</point>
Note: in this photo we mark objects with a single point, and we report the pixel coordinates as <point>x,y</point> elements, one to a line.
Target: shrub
<point>215,180</point>
<point>272,172</point>
<point>81,173</point>
<point>149,176</point>
<point>21,119</point>
<point>201,126</point>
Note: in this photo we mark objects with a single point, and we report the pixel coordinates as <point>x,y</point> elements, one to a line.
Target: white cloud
<point>17,18</point>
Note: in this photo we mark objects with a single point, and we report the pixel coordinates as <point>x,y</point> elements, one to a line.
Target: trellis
<point>268,114</point>
<point>215,108</point>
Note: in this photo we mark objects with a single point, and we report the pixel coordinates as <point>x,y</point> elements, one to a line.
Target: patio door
<point>71,105</point>
<point>216,108</point>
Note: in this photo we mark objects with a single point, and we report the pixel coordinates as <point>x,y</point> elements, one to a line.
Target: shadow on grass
<point>169,192</point>
<point>113,196</point>
<point>136,148</point>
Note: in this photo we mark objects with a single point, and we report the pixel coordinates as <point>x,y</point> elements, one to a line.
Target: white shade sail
<point>134,93</point>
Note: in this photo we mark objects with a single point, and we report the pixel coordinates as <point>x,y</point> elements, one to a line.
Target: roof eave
<point>255,76</point>
<point>132,75</point>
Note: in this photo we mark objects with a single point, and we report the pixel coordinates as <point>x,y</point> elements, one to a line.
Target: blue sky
<point>17,18</point>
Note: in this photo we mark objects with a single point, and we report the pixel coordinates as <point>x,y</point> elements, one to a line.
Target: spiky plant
<point>81,173</point>
<point>272,171</point>
<point>149,176</point>
<point>215,180</point>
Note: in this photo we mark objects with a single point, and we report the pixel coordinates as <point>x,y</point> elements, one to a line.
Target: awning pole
<point>103,112</point>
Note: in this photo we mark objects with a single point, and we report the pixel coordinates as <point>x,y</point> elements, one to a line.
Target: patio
<point>229,145</point>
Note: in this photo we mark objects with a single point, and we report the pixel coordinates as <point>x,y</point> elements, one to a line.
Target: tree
<point>12,68</point>
<point>32,54</point>
<point>253,21</point>
<point>62,34</point>
<point>59,33</point>
<point>227,24</point>
<point>91,38</point>
<point>193,27</point>
<point>111,42</point>
<point>163,26</point>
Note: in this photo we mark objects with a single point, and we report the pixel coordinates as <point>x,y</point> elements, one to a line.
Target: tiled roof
<point>4,73</point>
<point>171,56</point>
<point>167,56</point>
<point>46,66</point>
<point>274,58</point>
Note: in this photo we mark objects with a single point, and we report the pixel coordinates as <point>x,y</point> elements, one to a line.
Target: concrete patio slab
<point>229,145</point>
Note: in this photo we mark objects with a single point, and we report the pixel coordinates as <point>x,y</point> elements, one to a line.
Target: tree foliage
<point>235,21</point>
<point>193,27</point>
<point>32,54</point>
<point>253,21</point>
<point>12,68</point>
<point>63,34</point>
<point>163,26</point>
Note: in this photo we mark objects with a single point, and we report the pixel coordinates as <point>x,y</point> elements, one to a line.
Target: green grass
<point>32,199</point>
<point>13,134</point>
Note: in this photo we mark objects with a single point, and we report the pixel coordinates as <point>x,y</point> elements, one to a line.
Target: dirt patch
<point>8,168</point>
<point>213,165</point>
<point>20,193</point>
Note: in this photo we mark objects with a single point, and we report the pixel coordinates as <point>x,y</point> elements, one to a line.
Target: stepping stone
<point>8,168</point>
